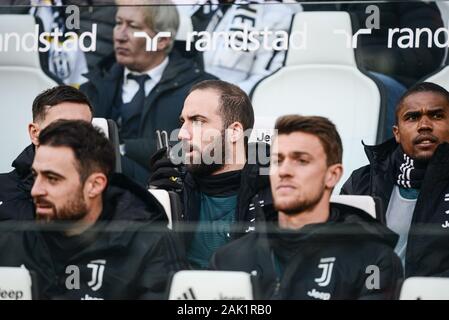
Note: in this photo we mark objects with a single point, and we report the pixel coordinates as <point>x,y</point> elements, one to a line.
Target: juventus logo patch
<point>327,264</point>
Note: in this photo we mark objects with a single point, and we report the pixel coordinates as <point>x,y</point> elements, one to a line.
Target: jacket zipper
<point>277,285</point>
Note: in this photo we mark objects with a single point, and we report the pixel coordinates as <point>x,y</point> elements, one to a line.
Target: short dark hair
<point>320,127</point>
<point>421,87</point>
<point>93,151</point>
<point>57,95</point>
<point>235,104</point>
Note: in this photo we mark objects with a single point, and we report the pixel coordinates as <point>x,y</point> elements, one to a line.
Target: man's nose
<point>38,189</point>
<point>121,33</point>
<point>284,169</point>
<point>425,124</point>
<point>184,133</point>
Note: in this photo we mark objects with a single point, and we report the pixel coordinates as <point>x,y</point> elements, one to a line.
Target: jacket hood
<point>380,152</point>
<point>23,164</point>
<point>24,161</point>
<point>124,199</point>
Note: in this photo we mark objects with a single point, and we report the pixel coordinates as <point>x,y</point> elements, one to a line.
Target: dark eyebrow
<point>294,154</point>
<point>412,113</point>
<point>48,173</point>
<point>297,154</point>
<point>437,110</point>
<point>193,117</point>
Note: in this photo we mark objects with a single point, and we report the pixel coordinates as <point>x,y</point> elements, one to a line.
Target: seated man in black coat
<point>106,236</point>
<point>61,102</point>
<point>410,175</point>
<point>313,249</point>
<point>218,172</point>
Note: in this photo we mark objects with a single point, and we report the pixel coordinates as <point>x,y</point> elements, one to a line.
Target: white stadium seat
<point>15,283</point>
<point>211,285</point>
<point>425,288</point>
<point>110,130</point>
<point>164,199</point>
<point>322,78</point>
<point>21,80</point>
<point>365,203</point>
<point>441,77</point>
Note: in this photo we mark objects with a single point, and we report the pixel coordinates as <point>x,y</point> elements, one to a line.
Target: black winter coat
<point>331,260</point>
<point>428,241</point>
<point>127,254</point>
<point>15,189</point>
<point>254,182</point>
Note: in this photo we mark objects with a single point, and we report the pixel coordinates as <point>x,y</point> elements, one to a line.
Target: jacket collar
<point>345,222</point>
<point>380,152</point>
<point>174,74</point>
<point>24,161</point>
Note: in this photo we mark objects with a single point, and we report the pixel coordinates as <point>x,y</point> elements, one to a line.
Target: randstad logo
<point>240,40</point>
<point>42,42</point>
<point>151,42</point>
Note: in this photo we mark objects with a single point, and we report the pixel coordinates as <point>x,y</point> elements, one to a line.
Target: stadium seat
<point>440,77</point>
<point>365,203</point>
<point>21,80</point>
<point>443,6</point>
<point>15,283</point>
<point>164,199</point>
<point>110,130</point>
<point>321,77</point>
<point>211,285</point>
<point>171,203</point>
<point>425,288</point>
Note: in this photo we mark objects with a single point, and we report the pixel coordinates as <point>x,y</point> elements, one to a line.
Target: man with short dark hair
<point>61,102</point>
<point>220,179</point>
<point>100,235</point>
<point>410,175</point>
<point>312,249</point>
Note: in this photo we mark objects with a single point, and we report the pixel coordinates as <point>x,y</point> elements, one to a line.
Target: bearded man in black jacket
<point>410,175</point>
<point>100,235</point>
<point>220,172</point>
<point>313,249</point>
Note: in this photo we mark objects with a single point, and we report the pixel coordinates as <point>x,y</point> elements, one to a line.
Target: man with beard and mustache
<point>220,179</point>
<point>410,175</point>
<point>100,235</point>
<point>313,249</point>
<point>61,102</point>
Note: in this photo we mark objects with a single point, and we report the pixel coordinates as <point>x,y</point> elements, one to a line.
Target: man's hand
<point>164,174</point>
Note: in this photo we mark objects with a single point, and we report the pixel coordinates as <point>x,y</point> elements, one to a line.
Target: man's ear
<point>33,131</point>
<point>333,175</point>
<point>235,132</point>
<point>163,43</point>
<point>397,136</point>
<point>95,185</point>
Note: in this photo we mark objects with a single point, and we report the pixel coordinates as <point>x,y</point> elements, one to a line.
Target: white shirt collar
<point>155,74</point>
